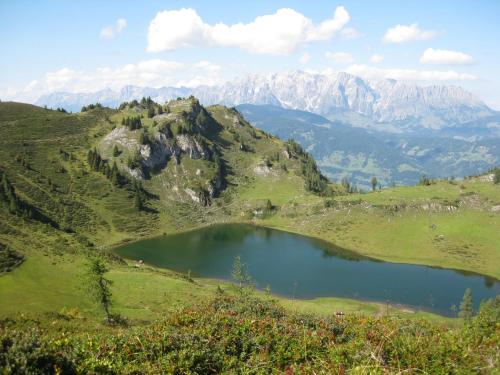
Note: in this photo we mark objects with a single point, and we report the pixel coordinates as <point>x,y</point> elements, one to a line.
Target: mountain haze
<point>358,154</point>
<point>387,104</point>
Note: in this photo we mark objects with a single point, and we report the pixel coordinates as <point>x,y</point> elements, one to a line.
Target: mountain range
<point>382,105</point>
<point>355,128</point>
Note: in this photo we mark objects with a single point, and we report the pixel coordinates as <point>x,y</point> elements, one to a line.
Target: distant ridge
<point>341,95</point>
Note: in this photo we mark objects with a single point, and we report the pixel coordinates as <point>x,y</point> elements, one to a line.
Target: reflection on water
<point>303,267</point>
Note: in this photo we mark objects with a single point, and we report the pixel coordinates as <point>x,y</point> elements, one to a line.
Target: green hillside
<point>62,167</point>
<point>344,151</point>
<point>74,185</point>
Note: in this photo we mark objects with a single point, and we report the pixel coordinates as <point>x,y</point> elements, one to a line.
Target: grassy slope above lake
<point>451,225</point>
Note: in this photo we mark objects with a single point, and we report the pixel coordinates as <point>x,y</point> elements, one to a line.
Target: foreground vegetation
<point>229,334</point>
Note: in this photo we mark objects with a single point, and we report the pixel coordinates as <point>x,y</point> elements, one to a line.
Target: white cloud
<point>443,56</point>
<point>376,58</point>
<point>304,59</point>
<point>407,33</point>
<point>370,72</point>
<point>109,32</point>
<point>151,73</point>
<point>121,23</point>
<point>340,57</point>
<point>351,33</point>
<point>275,34</point>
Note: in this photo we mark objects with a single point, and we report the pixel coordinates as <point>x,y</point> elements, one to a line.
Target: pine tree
<point>240,275</point>
<point>138,201</point>
<point>98,286</point>
<point>115,175</point>
<point>496,176</point>
<point>466,306</point>
<point>142,138</point>
<point>374,183</point>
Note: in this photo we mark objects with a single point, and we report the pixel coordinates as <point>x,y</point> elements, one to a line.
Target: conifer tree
<point>496,176</point>
<point>466,306</point>
<point>98,286</point>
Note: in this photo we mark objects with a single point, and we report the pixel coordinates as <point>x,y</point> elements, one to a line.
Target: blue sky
<point>89,45</point>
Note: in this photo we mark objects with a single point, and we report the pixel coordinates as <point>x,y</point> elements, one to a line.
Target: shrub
<point>496,176</point>
<point>232,334</point>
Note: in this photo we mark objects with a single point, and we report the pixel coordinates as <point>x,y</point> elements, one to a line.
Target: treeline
<point>91,106</point>
<point>9,197</point>
<point>425,181</point>
<point>98,164</point>
<point>132,123</point>
<point>349,187</point>
<point>9,259</point>
<point>17,206</point>
<point>496,175</point>
<point>145,103</point>
<point>314,180</point>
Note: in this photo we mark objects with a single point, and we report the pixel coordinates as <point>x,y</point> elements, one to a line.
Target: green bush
<point>496,176</point>
<point>235,334</point>
<point>9,259</point>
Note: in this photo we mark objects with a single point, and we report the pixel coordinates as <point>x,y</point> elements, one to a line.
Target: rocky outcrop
<point>155,154</point>
<point>190,146</point>
<point>261,169</point>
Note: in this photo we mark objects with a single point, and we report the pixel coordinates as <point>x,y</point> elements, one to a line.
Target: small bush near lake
<point>9,259</point>
<point>245,335</point>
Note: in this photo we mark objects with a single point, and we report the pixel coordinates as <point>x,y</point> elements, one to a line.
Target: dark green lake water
<point>302,267</point>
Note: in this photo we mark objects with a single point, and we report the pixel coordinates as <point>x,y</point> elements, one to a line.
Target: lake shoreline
<point>125,242</point>
<point>211,250</point>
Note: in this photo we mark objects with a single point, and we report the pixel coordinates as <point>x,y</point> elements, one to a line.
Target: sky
<point>83,46</point>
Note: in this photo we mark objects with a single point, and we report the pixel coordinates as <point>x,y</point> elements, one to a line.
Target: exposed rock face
<point>191,147</point>
<point>158,151</point>
<point>121,136</point>
<point>329,94</point>
<point>174,136</point>
<point>153,155</point>
<point>214,186</point>
<point>262,170</point>
<point>192,194</point>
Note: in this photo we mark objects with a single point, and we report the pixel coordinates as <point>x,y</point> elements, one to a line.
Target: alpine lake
<point>301,267</point>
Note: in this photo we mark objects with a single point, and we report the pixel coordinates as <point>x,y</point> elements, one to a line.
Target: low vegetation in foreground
<point>244,335</point>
